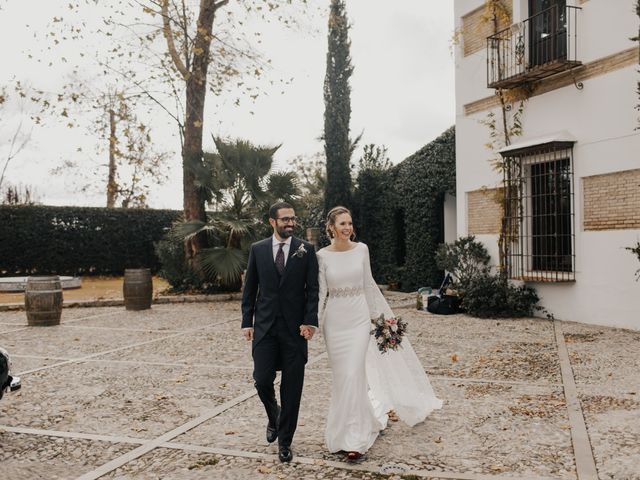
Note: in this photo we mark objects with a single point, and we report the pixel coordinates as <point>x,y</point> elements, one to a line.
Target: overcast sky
<point>402,93</point>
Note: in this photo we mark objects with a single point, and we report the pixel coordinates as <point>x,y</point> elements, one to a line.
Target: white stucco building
<point>573,180</point>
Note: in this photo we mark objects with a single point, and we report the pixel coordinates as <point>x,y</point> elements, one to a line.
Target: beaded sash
<point>346,291</point>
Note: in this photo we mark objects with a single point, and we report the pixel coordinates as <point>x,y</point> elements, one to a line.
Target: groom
<point>279,315</point>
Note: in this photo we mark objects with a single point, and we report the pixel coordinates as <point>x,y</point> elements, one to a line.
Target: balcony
<point>539,47</point>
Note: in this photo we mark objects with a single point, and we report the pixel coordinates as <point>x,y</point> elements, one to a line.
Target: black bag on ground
<point>442,304</point>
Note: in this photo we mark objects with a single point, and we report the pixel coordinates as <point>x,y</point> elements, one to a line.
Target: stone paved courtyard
<point>167,393</point>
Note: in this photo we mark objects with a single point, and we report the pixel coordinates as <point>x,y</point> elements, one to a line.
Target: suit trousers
<point>280,348</point>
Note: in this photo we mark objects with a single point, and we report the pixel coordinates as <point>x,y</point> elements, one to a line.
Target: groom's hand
<point>307,331</point>
<point>248,333</point>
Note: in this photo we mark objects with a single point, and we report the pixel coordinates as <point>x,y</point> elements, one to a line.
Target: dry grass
<point>93,288</point>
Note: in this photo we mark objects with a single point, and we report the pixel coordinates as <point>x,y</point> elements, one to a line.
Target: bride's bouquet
<point>388,332</point>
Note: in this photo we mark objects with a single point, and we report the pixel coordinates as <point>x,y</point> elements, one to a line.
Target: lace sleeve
<point>322,290</point>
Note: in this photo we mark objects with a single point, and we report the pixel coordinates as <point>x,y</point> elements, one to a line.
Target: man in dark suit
<point>279,315</point>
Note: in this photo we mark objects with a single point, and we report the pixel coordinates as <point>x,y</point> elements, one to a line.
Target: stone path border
<point>151,364</point>
<point>74,320</point>
<point>582,451</point>
<point>126,347</point>
<point>162,300</point>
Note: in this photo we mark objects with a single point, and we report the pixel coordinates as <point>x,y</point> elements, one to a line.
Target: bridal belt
<point>346,291</point>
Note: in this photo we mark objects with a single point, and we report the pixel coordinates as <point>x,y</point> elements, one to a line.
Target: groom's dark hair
<point>273,210</point>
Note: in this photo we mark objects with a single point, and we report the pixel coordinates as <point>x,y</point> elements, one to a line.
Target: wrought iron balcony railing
<point>540,46</point>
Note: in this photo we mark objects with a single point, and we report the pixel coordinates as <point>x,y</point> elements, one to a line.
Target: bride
<point>366,383</point>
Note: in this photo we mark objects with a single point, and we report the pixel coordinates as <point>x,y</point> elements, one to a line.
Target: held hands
<point>307,332</point>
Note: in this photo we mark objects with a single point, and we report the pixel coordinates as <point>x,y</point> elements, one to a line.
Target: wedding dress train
<point>366,383</point>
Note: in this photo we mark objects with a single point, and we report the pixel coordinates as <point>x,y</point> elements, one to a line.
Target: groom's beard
<point>285,232</point>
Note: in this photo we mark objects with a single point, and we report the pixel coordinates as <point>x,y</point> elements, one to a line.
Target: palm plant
<point>239,185</point>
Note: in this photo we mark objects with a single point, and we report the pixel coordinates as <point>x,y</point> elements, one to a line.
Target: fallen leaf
<point>454,358</point>
<point>264,469</point>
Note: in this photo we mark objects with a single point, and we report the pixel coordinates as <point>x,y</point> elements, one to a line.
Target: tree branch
<point>168,34</point>
<point>13,153</point>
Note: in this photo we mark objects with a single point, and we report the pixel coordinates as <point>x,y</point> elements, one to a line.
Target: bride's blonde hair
<point>331,220</point>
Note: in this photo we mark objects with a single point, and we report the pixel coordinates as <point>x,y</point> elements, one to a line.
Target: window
<point>548,31</point>
<point>539,237</point>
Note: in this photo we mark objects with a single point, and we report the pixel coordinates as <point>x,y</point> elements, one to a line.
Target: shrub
<point>177,271</point>
<point>465,258</point>
<point>174,269</point>
<point>398,213</point>
<point>492,296</point>
<point>80,240</point>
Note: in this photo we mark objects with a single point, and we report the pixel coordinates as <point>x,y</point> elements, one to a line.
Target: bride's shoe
<point>354,456</point>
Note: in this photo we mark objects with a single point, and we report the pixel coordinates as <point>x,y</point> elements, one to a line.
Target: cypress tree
<point>337,113</point>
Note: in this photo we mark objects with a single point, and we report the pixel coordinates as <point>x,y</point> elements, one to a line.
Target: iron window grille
<point>539,222</point>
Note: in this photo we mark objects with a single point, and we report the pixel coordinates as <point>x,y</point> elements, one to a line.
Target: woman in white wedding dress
<point>366,383</point>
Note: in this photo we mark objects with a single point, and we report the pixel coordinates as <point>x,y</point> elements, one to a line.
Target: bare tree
<point>183,50</point>
<point>133,164</point>
<point>19,138</point>
<point>19,195</point>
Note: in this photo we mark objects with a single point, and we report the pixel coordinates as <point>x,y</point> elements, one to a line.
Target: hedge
<point>399,213</point>
<point>80,240</point>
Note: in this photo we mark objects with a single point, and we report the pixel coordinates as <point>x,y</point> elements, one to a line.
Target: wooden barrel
<point>43,301</point>
<point>137,288</point>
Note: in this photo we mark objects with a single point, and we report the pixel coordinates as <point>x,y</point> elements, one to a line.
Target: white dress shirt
<point>285,248</point>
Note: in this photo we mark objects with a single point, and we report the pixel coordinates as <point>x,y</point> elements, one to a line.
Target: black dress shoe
<point>284,454</point>
<point>272,431</point>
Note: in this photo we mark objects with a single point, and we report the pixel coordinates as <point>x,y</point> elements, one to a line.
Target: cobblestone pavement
<point>167,393</point>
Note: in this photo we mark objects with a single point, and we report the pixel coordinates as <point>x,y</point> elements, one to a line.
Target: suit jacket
<point>293,296</point>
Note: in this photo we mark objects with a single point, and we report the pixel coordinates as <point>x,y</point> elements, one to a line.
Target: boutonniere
<point>300,252</point>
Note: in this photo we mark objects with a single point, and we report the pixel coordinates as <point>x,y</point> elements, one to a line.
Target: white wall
<point>450,222</point>
<point>602,118</point>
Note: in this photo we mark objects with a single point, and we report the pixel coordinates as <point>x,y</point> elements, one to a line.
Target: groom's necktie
<point>280,259</point>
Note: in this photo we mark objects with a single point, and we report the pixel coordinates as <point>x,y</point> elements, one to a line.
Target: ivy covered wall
<point>399,213</point>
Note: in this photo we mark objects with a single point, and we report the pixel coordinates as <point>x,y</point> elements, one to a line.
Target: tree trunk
<point>193,200</point>
<point>112,188</point>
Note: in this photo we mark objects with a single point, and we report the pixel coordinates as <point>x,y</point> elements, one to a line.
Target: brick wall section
<point>612,201</point>
<point>484,212</point>
<point>476,28</point>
